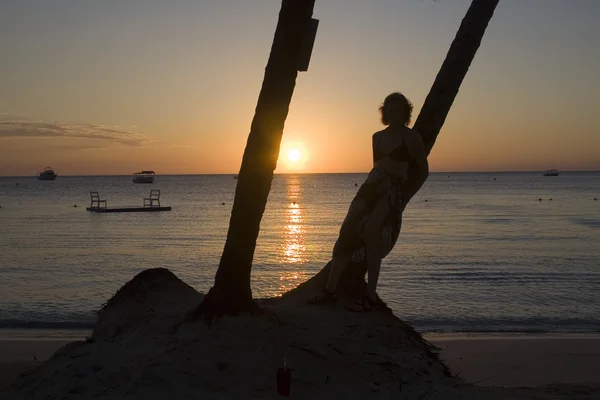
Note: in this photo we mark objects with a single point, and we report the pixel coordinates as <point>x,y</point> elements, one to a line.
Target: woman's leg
<point>341,258</point>
<point>372,236</point>
<point>373,268</point>
<point>368,299</point>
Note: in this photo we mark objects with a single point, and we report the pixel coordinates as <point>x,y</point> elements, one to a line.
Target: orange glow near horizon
<point>123,107</point>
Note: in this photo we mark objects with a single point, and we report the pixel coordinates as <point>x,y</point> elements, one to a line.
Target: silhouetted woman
<point>374,219</point>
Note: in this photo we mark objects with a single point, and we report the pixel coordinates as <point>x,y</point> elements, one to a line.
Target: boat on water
<point>47,175</point>
<point>551,172</point>
<point>143,177</point>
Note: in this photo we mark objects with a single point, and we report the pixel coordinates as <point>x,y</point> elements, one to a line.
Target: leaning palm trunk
<point>430,121</point>
<point>451,75</point>
<point>231,292</point>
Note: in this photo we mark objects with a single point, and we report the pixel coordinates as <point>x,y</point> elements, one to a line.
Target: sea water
<point>478,252</point>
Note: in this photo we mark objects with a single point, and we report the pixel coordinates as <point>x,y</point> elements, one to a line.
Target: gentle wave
<point>500,325</point>
<point>424,325</point>
<point>54,325</point>
<point>588,222</point>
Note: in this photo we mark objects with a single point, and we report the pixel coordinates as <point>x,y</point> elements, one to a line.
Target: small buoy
<point>425,199</point>
<point>540,199</point>
<point>356,184</point>
<point>17,183</point>
<point>448,176</point>
<point>222,204</point>
<point>595,198</point>
<point>550,198</point>
<point>74,205</point>
<point>494,178</point>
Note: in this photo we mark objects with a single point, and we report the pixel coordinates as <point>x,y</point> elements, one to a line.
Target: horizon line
<point>303,173</point>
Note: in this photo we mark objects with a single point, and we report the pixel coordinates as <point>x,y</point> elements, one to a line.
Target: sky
<point>112,87</point>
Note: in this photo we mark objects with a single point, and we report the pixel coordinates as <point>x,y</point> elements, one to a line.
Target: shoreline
<point>8,334</point>
<point>43,334</point>
<point>449,336</point>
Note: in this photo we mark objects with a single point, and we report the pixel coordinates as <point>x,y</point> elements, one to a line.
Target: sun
<point>294,155</point>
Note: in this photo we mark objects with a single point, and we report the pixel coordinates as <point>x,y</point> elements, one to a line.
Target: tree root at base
<point>219,303</point>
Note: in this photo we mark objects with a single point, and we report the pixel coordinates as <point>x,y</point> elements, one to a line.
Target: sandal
<point>364,304</point>
<point>325,297</point>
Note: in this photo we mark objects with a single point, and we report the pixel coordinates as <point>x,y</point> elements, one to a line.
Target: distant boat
<point>47,175</point>
<point>143,177</point>
<point>551,172</point>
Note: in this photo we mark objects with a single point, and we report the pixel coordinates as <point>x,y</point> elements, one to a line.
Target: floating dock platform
<point>127,209</point>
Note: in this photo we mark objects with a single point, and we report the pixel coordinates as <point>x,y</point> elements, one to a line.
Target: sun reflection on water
<point>293,236</point>
<point>293,249</point>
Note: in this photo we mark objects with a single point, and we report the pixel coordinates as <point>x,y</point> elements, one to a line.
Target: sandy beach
<point>516,360</point>
<point>485,360</point>
<point>20,355</point>
<point>498,360</point>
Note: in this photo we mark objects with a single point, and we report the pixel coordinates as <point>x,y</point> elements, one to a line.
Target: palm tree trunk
<point>448,80</point>
<point>430,120</point>
<point>231,292</point>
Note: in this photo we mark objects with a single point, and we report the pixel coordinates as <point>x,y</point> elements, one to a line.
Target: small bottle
<point>284,380</point>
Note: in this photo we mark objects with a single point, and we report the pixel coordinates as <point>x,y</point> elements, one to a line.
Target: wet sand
<point>515,360</point>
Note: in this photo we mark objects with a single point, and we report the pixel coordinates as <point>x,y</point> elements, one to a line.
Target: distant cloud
<point>78,147</point>
<point>22,128</point>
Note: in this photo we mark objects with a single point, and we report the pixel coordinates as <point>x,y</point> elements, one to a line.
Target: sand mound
<point>140,349</point>
<point>154,299</point>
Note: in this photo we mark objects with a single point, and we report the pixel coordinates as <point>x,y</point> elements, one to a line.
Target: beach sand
<point>20,355</point>
<point>515,360</point>
<point>143,347</point>
<point>500,360</point>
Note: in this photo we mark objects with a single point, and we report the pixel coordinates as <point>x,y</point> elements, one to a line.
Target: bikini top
<point>399,154</point>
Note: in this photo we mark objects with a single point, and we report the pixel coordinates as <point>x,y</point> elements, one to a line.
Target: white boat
<point>144,177</point>
<point>47,175</point>
<point>551,172</point>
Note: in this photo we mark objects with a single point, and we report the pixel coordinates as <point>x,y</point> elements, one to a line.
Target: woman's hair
<point>396,97</point>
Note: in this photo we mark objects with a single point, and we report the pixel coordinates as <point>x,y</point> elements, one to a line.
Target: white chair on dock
<point>153,199</point>
<point>95,199</point>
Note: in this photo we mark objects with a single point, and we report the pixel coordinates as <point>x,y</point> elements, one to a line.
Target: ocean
<point>478,252</point>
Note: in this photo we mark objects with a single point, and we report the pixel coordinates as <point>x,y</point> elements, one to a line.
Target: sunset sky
<point>112,87</point>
